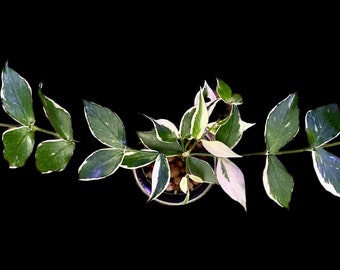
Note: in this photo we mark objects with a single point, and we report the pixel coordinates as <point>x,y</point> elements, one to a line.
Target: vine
<point>217,137</point>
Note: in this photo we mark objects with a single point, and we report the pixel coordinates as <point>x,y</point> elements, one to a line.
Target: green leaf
<point>165,130</point>
<point>186,123</point>
<point>282,124</point>
<point>59,118</point>
<point>232,131</point>
<point>327,168</point>
<point>278,183</point>
<point>224,91</point>
<point>134,159</point>
<point>53,155</point>
<point>18,145</point>
<point>105,125</point>
<point>237,99</point>
<point>16,97</point>
<point>202,169</point>
<point>200,118</point>
<point>151,141</point>
<point>231,179</point>
<point>219,149</point>
<point>100,164</point>
<point>160,176</point>
<point>322,124</point>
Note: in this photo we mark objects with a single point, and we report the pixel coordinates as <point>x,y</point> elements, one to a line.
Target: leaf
<point>219,149</point>
<point>105,125</point>
<point>231,179</point>
<point>208,95</point>
<point>59,118</point>
<point>327,168</point>
<point>224,91</point>
<point>200,118</point>
<point>134,159</point>
<point>186,123</point>
<point>53,155</point>
<point>165,130</point>
<point>151,141</point>
<point>16,97</point>
<point>232,131</point>
<point>184,187</point>
<point>101,164</point>
<point>202,169</point>
<point>160,176</point>
<point>18,145</point>
<point>282,124</point>
<point>278,183</point>
<point>195,178</point>
<point>322,124</point>
<point>184,184</point>
<point>237,99</point>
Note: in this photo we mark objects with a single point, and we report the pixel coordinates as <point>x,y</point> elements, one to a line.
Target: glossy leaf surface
<point>100,164</point>
<point>138,158</point>
<point>327,168</point>
<point>282,124</point>
<point>59,118</point>
<point>278,183</point>
<point>53,155</point>
<point>105,125</point>
<point>16,97</point>
<point>18,145</point>
<point>322,124</point>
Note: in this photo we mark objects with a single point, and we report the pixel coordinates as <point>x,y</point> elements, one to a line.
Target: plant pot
<point>172,195</point>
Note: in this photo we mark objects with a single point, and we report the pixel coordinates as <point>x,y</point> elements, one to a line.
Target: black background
<point>153,60</point>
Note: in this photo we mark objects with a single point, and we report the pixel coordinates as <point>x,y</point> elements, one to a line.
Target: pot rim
<point>169,198</point>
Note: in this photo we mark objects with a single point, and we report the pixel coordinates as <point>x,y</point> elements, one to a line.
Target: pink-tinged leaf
<point>209,96</point>
<point>208,93</point>
<point>231,179</point>
<point>219,149</point>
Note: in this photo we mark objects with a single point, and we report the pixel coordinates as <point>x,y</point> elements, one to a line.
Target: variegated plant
<point>197,126</point>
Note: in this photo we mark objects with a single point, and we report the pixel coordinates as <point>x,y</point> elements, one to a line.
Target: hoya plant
<point>204,141</point>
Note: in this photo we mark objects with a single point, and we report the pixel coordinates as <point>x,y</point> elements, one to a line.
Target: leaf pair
<point>19,140</point>
<point>321,125</point>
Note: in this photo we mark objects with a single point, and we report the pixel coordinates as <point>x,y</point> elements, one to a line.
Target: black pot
<point>170,197</point>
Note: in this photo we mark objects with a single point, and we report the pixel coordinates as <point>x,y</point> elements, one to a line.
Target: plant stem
<point>293,151</point>
<point>285,152</point>
<point>6,125</point>
<point>46,131</point>
<point>35,128</point>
